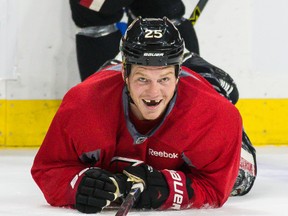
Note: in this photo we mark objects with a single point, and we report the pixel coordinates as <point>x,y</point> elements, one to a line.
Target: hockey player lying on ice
<point>154,118</point>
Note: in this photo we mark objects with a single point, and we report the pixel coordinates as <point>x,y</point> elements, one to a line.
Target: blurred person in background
<point>100,27</point>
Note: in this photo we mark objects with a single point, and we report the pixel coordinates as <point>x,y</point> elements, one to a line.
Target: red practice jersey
<point>200,135</point>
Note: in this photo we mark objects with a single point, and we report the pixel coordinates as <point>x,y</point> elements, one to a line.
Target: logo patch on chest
<point>162,154</point>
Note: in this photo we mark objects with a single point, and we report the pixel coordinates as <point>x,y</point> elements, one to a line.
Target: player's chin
<point>149,115</point>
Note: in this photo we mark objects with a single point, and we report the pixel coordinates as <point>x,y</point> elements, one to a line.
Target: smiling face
<point>151,89</point>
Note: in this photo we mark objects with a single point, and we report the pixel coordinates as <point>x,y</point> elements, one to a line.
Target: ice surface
<point>19,195</point>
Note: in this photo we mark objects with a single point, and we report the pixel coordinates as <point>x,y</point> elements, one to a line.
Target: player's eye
<point>164,79</point>
<point>142,79</point>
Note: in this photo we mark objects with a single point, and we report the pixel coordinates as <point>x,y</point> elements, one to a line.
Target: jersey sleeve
<point>76,139</point>
<point>56,164</point>
<point>212,181</point>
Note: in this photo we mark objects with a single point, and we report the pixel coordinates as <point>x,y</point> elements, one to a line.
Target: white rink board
<point>20,196</point>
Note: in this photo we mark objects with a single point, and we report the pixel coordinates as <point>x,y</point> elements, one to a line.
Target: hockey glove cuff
<point>180,190</point>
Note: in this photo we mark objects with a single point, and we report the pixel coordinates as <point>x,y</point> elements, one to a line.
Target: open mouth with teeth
<point>152,102</point>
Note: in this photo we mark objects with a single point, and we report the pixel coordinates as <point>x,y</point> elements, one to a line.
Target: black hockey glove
<point>156,189</point>
<point>97,189</point>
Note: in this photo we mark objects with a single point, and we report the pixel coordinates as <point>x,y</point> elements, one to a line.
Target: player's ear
<point>124,77</point>
<point>123,73</point>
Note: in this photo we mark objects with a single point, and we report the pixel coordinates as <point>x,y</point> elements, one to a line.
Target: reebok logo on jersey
<point>162,154</point>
